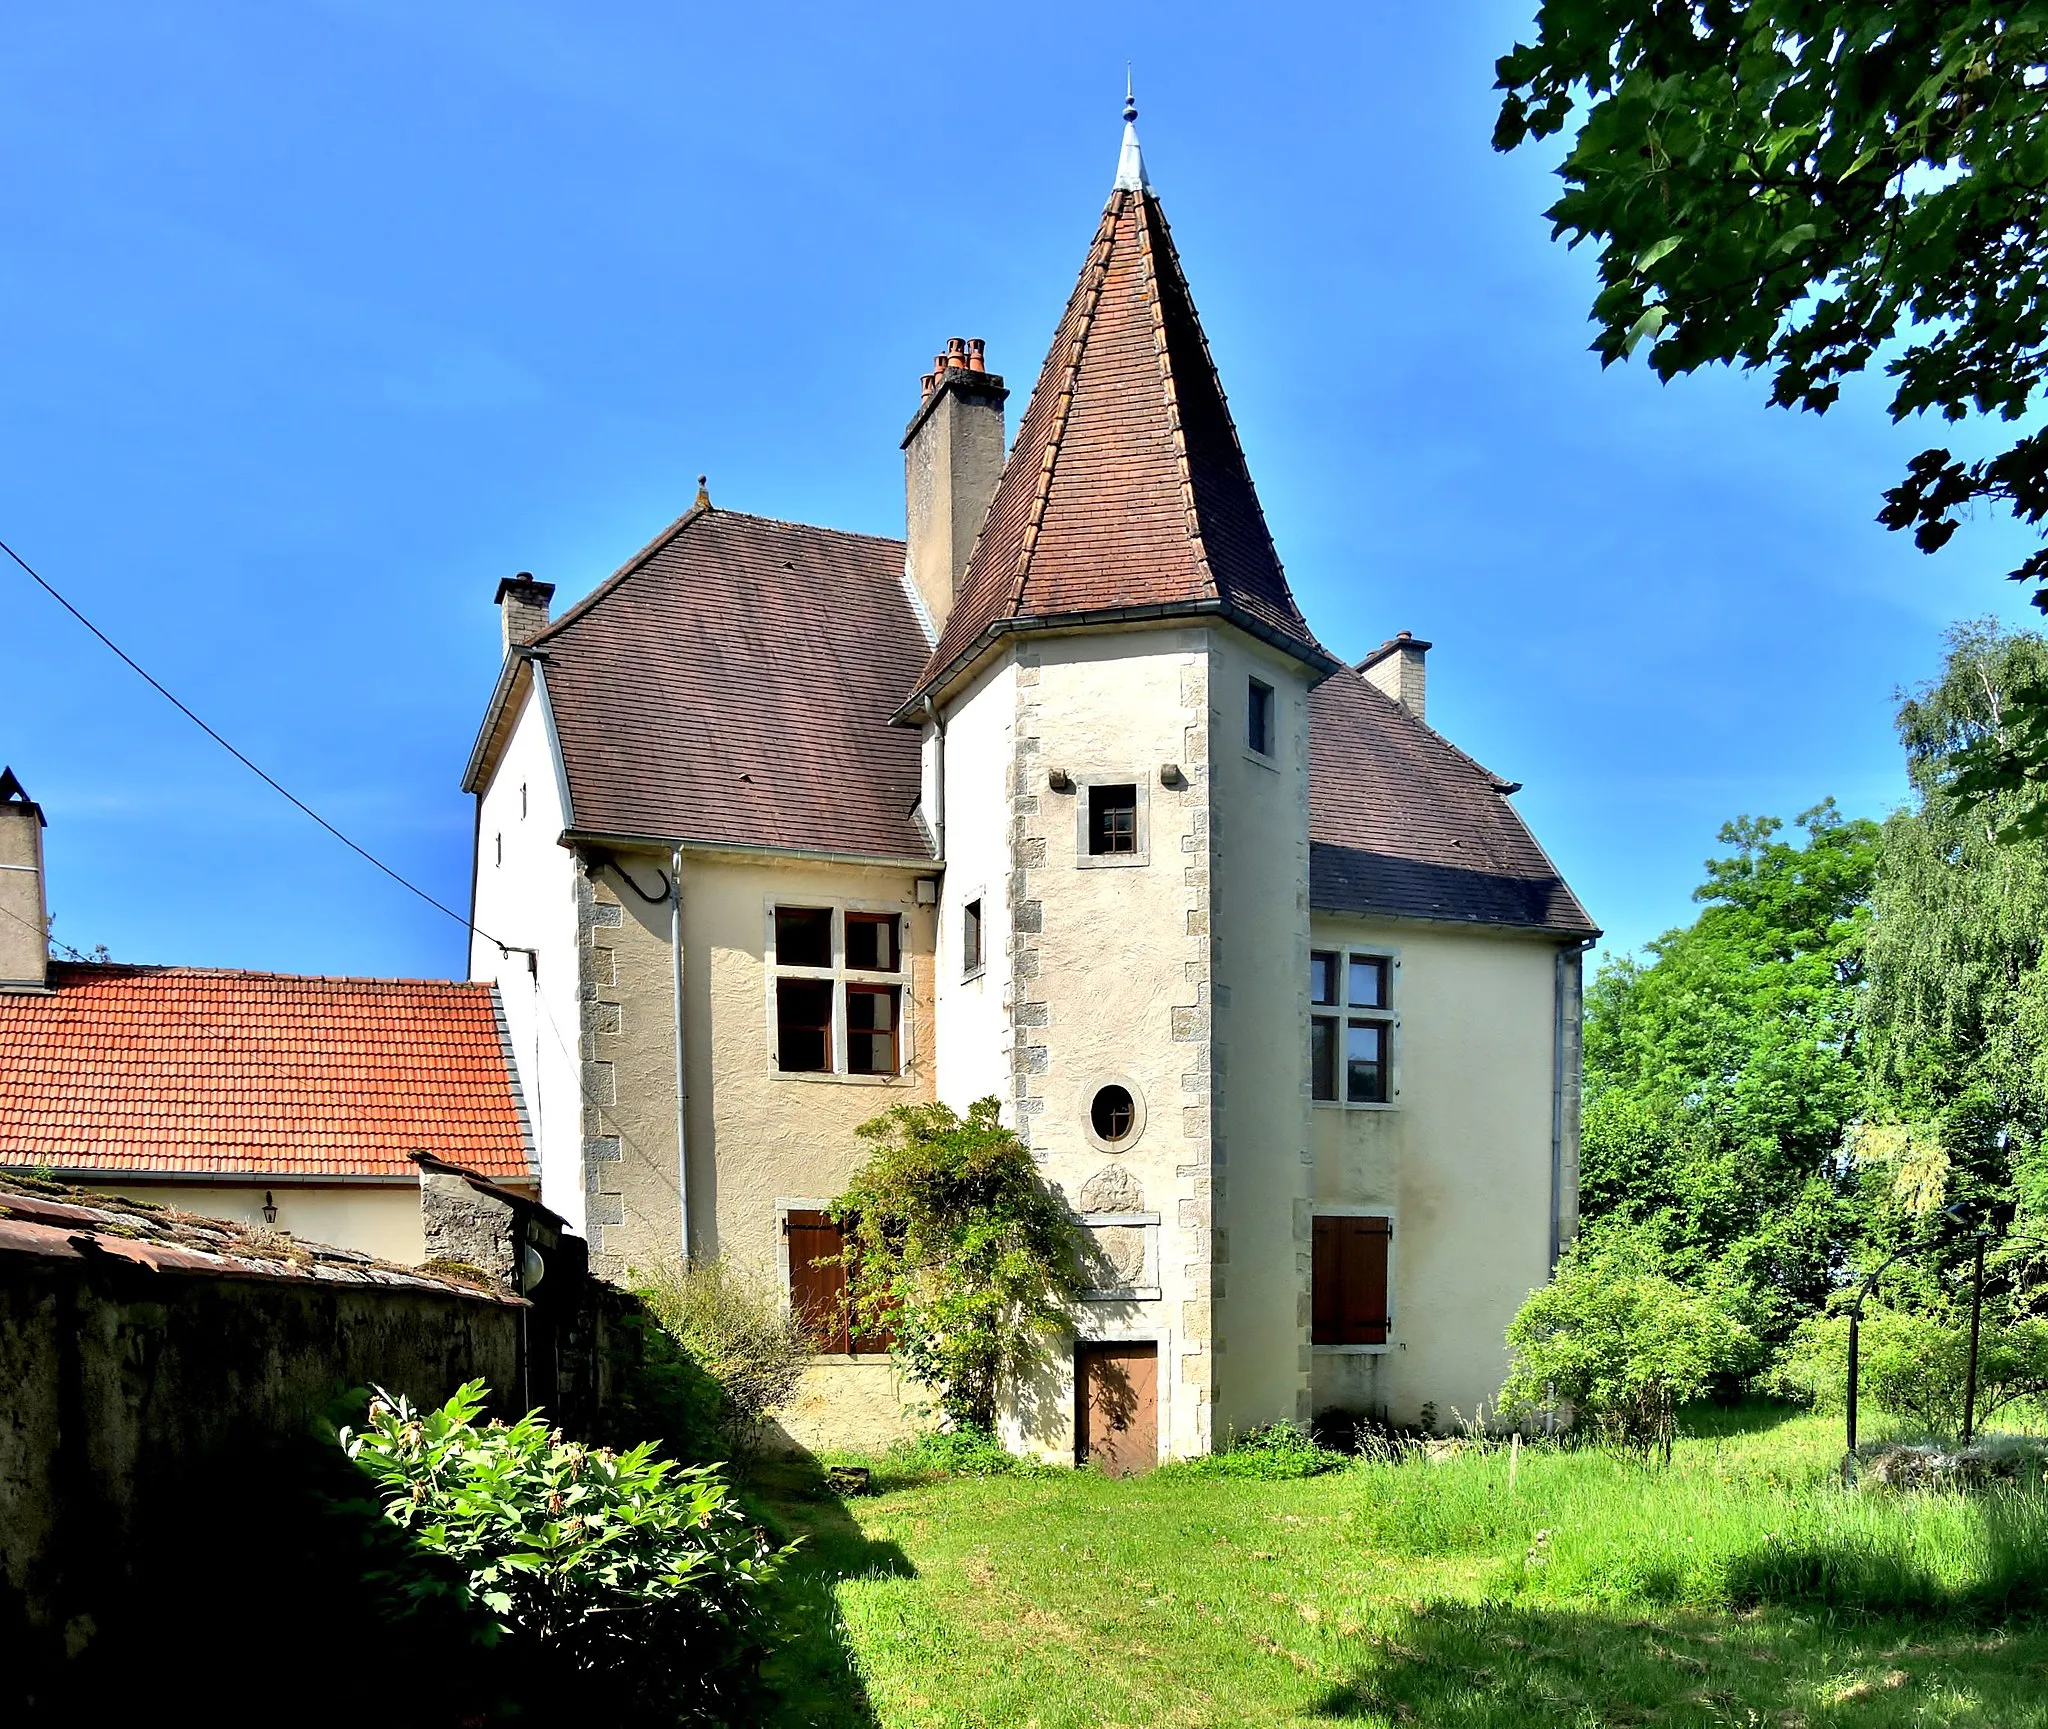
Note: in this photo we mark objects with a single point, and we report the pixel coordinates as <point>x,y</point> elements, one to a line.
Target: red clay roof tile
<point>187,1071</point>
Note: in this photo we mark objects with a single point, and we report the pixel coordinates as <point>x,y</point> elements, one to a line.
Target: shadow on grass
<point>1492,1666</point>
<point>812,1680</point>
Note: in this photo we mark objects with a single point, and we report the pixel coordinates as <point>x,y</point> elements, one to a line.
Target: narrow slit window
<point>1112,821</point>
<point>1322,1057</point>
<point>970,938</point>
<point>1259,718</point>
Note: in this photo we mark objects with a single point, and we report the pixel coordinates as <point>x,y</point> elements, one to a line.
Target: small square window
<point>1322,979</point>
<point>1365,1063</point>
<point>970,938</point>
<point>1368,981</point>
<point>871,945</point>
<point>1112,820</point>
<point>803,936</point>
<point>1259,718</point>
<point>803,1026</point>
<point>871,1016</point>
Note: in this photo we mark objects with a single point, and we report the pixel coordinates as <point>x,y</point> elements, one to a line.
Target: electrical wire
<point>268,780</point>
<point>54,942</point>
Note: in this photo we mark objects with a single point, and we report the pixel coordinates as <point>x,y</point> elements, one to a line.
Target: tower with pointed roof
<point>1123,648</point>
<point>1060,801</point>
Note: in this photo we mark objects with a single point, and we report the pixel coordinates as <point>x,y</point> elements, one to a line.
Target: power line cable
<point>268,780</point>
<point>57,942</point>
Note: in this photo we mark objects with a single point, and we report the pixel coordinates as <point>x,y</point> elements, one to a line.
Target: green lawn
<point>1738,1586</point>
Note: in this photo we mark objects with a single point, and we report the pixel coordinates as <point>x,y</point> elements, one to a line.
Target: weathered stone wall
<point>141,1403</point>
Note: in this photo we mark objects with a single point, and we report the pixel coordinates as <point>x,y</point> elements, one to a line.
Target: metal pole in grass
<point>1976,1324</point>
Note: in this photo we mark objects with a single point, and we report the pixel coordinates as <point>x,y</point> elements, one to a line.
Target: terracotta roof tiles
<point>188,1071</point>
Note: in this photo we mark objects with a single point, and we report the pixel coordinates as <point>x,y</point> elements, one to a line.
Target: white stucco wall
<point>1461,1159</point>
<point>527,897</point>
<point>381,1219</point>
<point>973,1014</point>
<point>1259,919</point>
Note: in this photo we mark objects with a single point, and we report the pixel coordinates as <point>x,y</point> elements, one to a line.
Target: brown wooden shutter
<point>818,1294</point>
<point>1364,1319</point>
<point>1326,1279</point>
<point>1349,1281</point>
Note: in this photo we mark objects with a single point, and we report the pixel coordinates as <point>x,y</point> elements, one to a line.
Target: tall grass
<point>1732,1522</point>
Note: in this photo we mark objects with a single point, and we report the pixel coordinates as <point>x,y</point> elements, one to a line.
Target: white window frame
<point>1343,1013</point>
<point>1362,1210</point>
<point>840,976</point>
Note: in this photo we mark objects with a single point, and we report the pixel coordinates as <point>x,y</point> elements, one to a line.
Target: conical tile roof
<point>1126,493</point>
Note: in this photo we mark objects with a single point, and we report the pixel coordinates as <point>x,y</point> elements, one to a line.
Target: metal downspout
<point>675,943</point>
<point>938,776</point>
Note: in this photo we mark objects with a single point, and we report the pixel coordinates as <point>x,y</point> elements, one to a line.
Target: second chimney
<point>1395,668</point>
<point>24,909</point>
<point>952,459</point>
<point>523,608</point>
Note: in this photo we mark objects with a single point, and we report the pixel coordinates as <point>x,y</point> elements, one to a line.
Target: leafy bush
<point>1914,1366</point>
<point>957,1246</point>
<point>618,1582</point>
<point>737,1329</point>
<point>1278,1452</point>
<point>1620,1344</point>
<point>963,1452</point>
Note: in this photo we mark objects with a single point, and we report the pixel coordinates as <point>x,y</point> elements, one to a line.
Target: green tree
<point>1808,187</point>
<point>1722,1073</point>
<point>1955,1021</point>
<point>956,1245</point>
<point>1620,1343</point>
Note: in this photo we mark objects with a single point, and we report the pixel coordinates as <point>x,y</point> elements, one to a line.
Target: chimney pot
<point>1395,669</point>
<point>523,609</point>
<point>977,359</point>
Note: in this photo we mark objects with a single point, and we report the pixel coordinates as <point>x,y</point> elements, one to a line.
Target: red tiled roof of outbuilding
<point>1126,489</point>
<point>191,1072</point>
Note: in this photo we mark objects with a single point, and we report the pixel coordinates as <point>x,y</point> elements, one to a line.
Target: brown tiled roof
<point>1403,823</point>
<point>733,684</point>
<point>191,1072</point>
<point>1126,488</point>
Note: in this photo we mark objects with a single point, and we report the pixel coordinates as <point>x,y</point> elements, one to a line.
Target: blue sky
<point>317,320</point>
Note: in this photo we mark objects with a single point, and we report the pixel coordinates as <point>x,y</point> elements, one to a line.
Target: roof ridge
<point>133,969</point>
<point>1094,275</point>
<point>1148,210</point>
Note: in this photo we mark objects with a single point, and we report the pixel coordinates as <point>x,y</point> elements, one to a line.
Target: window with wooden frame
<point>1112,820</point>
<point>1351,1027</point>
<point>970,939</point>
<point>838,1002</point>
<point>1351,1295</point>
<point>817,1284</point>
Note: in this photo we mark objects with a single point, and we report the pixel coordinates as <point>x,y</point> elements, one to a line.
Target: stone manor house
<point>1059,799</point>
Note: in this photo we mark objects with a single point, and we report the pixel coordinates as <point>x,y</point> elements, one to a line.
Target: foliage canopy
<point>956,1244</point>
<point>1808,187</point>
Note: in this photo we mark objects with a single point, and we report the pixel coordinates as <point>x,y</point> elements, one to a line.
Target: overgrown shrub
<point>1277,1452</point>
<point>957,1246</point>
<point>1913,1366</point>
<point>1620,1344</point>
<point>966,1451</point>
<point>620,1584</point>
<point>736,1328</point>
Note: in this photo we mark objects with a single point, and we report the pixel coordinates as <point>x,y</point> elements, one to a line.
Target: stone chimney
<point>523,608</point>
<point>952,459</point>
<point>24,910</point>
<point>1395,667</point>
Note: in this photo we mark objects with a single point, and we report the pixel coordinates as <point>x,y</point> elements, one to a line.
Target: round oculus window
<point>1113,1115</point>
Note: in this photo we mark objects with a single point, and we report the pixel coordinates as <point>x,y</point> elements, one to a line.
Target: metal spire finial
<point>1130,164</point>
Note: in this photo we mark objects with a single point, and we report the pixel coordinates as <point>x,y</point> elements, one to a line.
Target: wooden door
<point>1116,1398</point>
